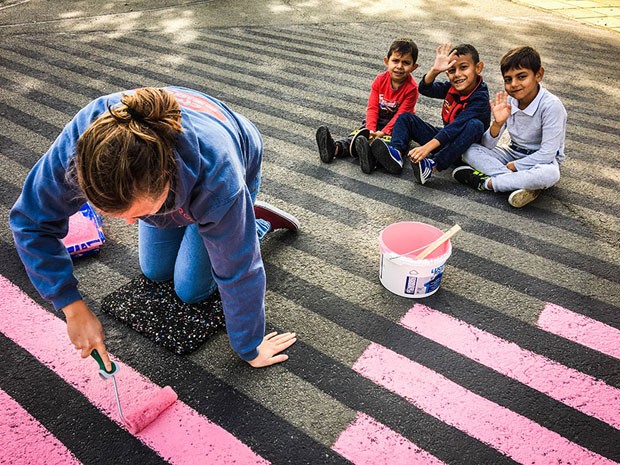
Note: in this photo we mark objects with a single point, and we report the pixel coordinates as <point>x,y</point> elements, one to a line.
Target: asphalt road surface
<point>516,358</point>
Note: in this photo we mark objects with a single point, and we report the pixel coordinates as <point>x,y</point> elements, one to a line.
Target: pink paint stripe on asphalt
<point>180,434</point>
<point>520,438</point>
<point>25,440</point>
<point>580,329</point>
<point>367,442</point>
<point>567,385</point>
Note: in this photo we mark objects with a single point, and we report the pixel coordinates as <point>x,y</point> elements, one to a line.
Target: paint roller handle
<point>436,243</point>
<point>102,371</point>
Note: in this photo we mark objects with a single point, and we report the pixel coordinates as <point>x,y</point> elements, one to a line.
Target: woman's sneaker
<point>277,218</point>
<point>469,176</point>
<point>386,156</point>
<point>522,197</point>
<point>326,144</point>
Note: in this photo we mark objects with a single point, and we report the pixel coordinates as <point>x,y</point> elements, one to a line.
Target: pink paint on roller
<point>367,442</point>
<point>180,434</point>
<point>567,385</point>
<point>138,419</point>
<point>580,329</point>
<point>518,437</point>
<point>25,440</point>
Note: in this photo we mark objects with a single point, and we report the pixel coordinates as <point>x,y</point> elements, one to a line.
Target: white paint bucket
<point>399,271</point>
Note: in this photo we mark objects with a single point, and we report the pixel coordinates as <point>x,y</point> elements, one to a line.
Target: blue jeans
<point>410,126</point>
<point>180,254</point>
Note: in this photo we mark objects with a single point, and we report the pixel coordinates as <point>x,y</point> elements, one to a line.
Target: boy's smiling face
<point>522,84</point>
<point>400,66</point>
<point>463,75</point>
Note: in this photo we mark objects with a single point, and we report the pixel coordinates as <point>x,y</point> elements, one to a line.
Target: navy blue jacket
<point>458,109</point>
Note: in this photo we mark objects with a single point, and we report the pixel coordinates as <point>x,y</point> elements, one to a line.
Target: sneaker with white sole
<point>364,133</point>
<point>326,144</point>
<point>469,176</point>
<point>423,170</point>
<point>386,156</point>
<point>522,197</point>
<point>277,218</point>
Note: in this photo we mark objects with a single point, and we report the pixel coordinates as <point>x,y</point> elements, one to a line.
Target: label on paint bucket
<point>411,284</point>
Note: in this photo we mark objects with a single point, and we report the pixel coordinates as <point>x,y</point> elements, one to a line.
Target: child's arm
<point>501,110</point>
<point>372,108</point>
<point>477,108</point>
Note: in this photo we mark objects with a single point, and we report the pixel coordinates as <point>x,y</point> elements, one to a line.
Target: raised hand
<point>501,109</point>
<point>444,59</point>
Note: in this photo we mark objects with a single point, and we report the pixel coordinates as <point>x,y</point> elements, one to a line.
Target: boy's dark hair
<point>467,49</point>
<point>520,58</point>
<point>404,46</point>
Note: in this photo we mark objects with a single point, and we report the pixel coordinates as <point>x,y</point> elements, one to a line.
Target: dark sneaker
<point>469,176</point>
<point>522,197</point>
<point>277,218</point>
<point>386,156</point>
<point>365,133</point>
<point>423,170</point>
<point>367,160</point>
<point>327,146</point>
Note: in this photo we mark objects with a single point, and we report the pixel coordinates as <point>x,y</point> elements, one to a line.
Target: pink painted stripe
<point>580,329</point>
<point>180,434</point>
<point>367,442</point>
<point>567,385</point>
<point>520,438</point>
<point>25,440</point>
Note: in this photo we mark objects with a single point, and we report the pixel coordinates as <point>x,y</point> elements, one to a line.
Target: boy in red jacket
<point>393,92</point>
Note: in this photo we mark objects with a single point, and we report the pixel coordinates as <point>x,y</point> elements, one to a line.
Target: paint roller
<point>138,418</point>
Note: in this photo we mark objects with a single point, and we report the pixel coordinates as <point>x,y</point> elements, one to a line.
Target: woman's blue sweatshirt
<point>218,155</point>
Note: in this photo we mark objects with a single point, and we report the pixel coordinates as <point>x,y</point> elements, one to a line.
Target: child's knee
<point>475,127</point>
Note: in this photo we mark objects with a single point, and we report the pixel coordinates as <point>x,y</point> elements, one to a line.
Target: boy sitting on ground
<point>465,114</point>
<point>392,93</point>
<point>536,123</point>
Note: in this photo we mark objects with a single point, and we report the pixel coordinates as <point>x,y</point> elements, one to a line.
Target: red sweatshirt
<point>385,103</point>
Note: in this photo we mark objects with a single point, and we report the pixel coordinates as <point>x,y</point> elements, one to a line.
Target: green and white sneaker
<point>469,176</point>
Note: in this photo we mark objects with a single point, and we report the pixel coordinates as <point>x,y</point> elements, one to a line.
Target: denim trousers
<point>410,126</point>
<point>179,254</point>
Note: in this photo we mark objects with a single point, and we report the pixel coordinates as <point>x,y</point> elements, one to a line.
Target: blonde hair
<point>127,153</point>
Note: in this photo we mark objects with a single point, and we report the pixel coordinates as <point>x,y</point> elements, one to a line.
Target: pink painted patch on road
<point>580,329</point>
<point>180,434</point>
<point>367,442</point>
<point>520,438</point>
<point>26,441</point>
<point>567,385</point>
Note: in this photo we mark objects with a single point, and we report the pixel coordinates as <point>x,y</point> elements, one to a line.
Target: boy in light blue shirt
<point>536,122</point>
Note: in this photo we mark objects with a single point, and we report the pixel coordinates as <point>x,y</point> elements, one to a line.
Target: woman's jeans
<point>179,254</point>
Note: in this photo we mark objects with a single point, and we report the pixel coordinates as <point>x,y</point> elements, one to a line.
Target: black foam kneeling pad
<point>154,310</point>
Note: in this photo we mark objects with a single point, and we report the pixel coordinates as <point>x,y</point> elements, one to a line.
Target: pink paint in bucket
<point>399,271</point>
